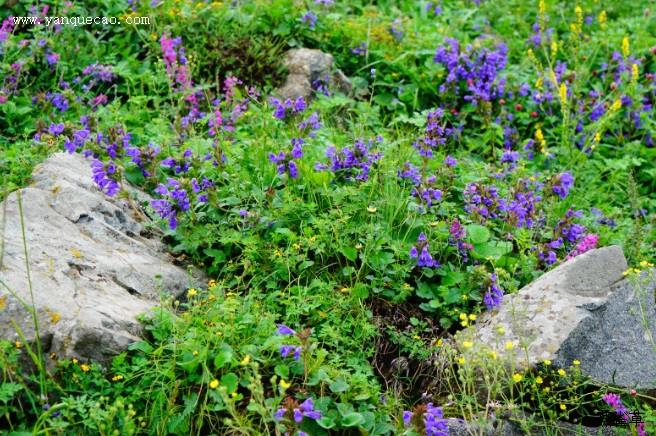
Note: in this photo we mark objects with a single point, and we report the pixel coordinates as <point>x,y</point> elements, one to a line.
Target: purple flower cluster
<point>427,418</point>
<point>615,401</point>
<point>352,163</point>
<point>360,49</point>
<point>561,184</point>
<point>310,19</point>
<point>396,29</point>
<point>176,63</point>
<point>143,158</point>
<point>522,209</point>
<point>285,161</point>
<point>423,187</point>
<point>286,350</point>
<point>588,242</point>
<point>282,109</point>
<point>457,234</point>
<point>493,293</point>
<point>435,135</point>
<point>105,175</point>
<point>472,73</point>
<point>420,252</point>
<point>483,202</point>
<point>175,199</point>
<point>294,413</point>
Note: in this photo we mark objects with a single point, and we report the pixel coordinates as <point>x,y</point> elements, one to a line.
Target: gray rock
<point>501,427</point>
<point>92,272</point>
<point>582,310</point>
<point>306,66</point>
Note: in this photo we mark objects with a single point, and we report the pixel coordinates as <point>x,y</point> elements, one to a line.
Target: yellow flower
<point>214,384</point>
<point>509,345</point>
<point>3,302</point>
<point>602,19</point>
<point>84,367</point>
<point>501,331</point>
<point>472,317</point>
<point>234,395</point>
<point>547,362</point>
<point>563,407</point>
<point>562,373</point>
<point>74,361</point>
<point>463,316</point>
<point>635,73</point>
<point>625,46</point>
<point>371,209</point>
<point>211,283</point>
<point>440,342</point>
<point>617,105</point>
<point>493,355</point>
<point>465,297</point>
<point>554,49</point>
<point>284,384</point>
<point>563,94</point>
<point>18,344</point>
<point>461,360</point>
<point>246,360</point>
<point>191,293</point>
<point>467,344</point>
<point>117,378</point>
<point>517,377</point>
<point>539,380</point>
<point>546,390</point>
<point>576,363</point>
<point>54,317</point>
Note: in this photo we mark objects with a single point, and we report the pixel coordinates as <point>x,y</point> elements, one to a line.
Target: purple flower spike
<point>284,330</point>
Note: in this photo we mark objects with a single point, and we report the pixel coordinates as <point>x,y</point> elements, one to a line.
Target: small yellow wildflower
<point>539,380</point>
<point>554,49</point>
<point>472,317</point>
<point>461,360</point>
<point>517,377</point>
<point>625,46</point>
<point>296,246</point>
<point>233,395</point>
<point>501,331</point>
<point>645,264</point>
<point>284,384</point>
<point>74,361</point>
<point>493,355</point>
<point>547,362</point>
<point>576,362</point>
<point>467,344</point>
<point>509,345</point>
<point>85,368</point>
<point>246,360</point>
<point>18,344</point>
<point>371,209</point>
<point>563,94</point>
<point>465,297</point>
<point>635,73</point>
<point>440,342</point>
<point>117,378</point>
<point>214,384</point>
<point>602,19</point>
<point>463,316</point>
<point>561,372</point>
<point>192,293</point>
<point>211,283</point>
<point>546,390</point>
<point>563,407</point>
<point>617,105</point>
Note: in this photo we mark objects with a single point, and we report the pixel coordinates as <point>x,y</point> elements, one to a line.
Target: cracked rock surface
<point>585,310</point>
<point>92,272</point>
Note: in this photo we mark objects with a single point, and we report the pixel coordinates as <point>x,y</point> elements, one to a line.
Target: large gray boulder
<point>585,310</point>
<point>92,269</point>
<point>307,68</point>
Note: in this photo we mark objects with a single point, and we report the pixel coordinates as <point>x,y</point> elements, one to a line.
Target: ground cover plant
<point>348,237</point>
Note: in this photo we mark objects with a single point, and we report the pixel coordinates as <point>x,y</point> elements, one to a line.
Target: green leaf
<point>361,290</point>
<point>424,290</point>
<point>282,371</point>
<point>478,234</point>
<point>339,385</point>
<point>326,422</point>
<point>353,419</point>
<point>230,381</point>
<point>223,356</point>
<point>492,249</point>
<point>8,390</point>
<point>218,255</point>
<point>350,253</point>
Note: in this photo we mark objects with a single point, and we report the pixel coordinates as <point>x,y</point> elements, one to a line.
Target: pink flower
<point>588,242</point>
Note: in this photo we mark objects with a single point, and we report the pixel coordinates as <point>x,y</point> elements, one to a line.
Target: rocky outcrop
<point>583,310</point>
<point>92,267</point>
<point>310,69</point>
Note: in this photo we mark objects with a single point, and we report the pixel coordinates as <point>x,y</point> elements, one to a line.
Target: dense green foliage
<point>553,130</point>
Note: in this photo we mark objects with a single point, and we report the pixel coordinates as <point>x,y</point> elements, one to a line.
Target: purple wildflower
<point>420,252</point>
